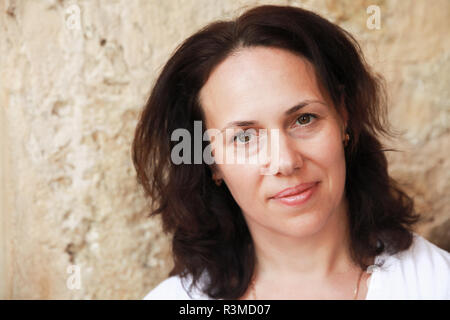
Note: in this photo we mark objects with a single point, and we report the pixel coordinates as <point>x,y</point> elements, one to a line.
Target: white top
<point>421,272</point>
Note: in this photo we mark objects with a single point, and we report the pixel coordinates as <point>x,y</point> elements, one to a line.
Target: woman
<point>317,218</point>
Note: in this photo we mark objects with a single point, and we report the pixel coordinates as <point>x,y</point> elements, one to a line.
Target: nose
<point>284,155</point>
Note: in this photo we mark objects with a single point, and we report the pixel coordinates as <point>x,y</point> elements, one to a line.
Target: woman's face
<point>261,84</point>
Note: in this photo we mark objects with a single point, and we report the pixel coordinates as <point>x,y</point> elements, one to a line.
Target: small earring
<point>347,138</point>
<point>218,182</point>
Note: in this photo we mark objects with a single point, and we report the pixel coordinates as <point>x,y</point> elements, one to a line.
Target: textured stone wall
<point>71,91</point>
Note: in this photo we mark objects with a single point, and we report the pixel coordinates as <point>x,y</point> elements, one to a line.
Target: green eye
<point>305,116</point>
<point>303,120</point>
<point>240,135</point>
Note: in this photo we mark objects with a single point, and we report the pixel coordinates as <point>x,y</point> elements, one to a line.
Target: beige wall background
<point>72,217</point>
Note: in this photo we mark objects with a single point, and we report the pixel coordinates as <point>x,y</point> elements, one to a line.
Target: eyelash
<point>304,114</point>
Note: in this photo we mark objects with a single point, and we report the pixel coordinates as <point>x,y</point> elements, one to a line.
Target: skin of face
<point>261,83</point>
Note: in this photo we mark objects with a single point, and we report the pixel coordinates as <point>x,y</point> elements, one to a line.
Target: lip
<point>294,190</point>
<point>299,198</point>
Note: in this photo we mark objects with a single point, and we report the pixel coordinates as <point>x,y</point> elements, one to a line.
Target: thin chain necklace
<point>354,297</point>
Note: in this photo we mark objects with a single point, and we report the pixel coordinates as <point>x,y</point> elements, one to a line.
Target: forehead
<point>256,79</point>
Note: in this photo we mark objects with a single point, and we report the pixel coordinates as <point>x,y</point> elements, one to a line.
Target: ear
<point>343,112</point>
<point>345,117</point>
<point>216,174</point>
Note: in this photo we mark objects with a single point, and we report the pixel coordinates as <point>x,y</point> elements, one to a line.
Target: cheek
<point>330,154</point>
<point>331,159</point>
<point>242,181</point>
<point>220,150</point>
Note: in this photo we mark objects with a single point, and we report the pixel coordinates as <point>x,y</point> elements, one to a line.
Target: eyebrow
<point>246,123</point>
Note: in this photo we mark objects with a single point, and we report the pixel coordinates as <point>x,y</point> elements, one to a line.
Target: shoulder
<point>175,288</point>
<point>169,289</point>
<point>420,272</point>
<point>425,257</point>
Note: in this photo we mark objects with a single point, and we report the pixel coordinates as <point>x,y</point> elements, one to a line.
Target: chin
<point>304,224</point>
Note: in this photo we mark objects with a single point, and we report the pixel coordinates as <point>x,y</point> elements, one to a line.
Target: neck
<point>314,256</point>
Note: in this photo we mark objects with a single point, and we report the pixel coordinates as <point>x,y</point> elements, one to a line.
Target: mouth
<point>298,189</point>
<point>297,197</point>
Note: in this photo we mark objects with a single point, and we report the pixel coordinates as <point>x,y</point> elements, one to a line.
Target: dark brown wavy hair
<point>209,231</point>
